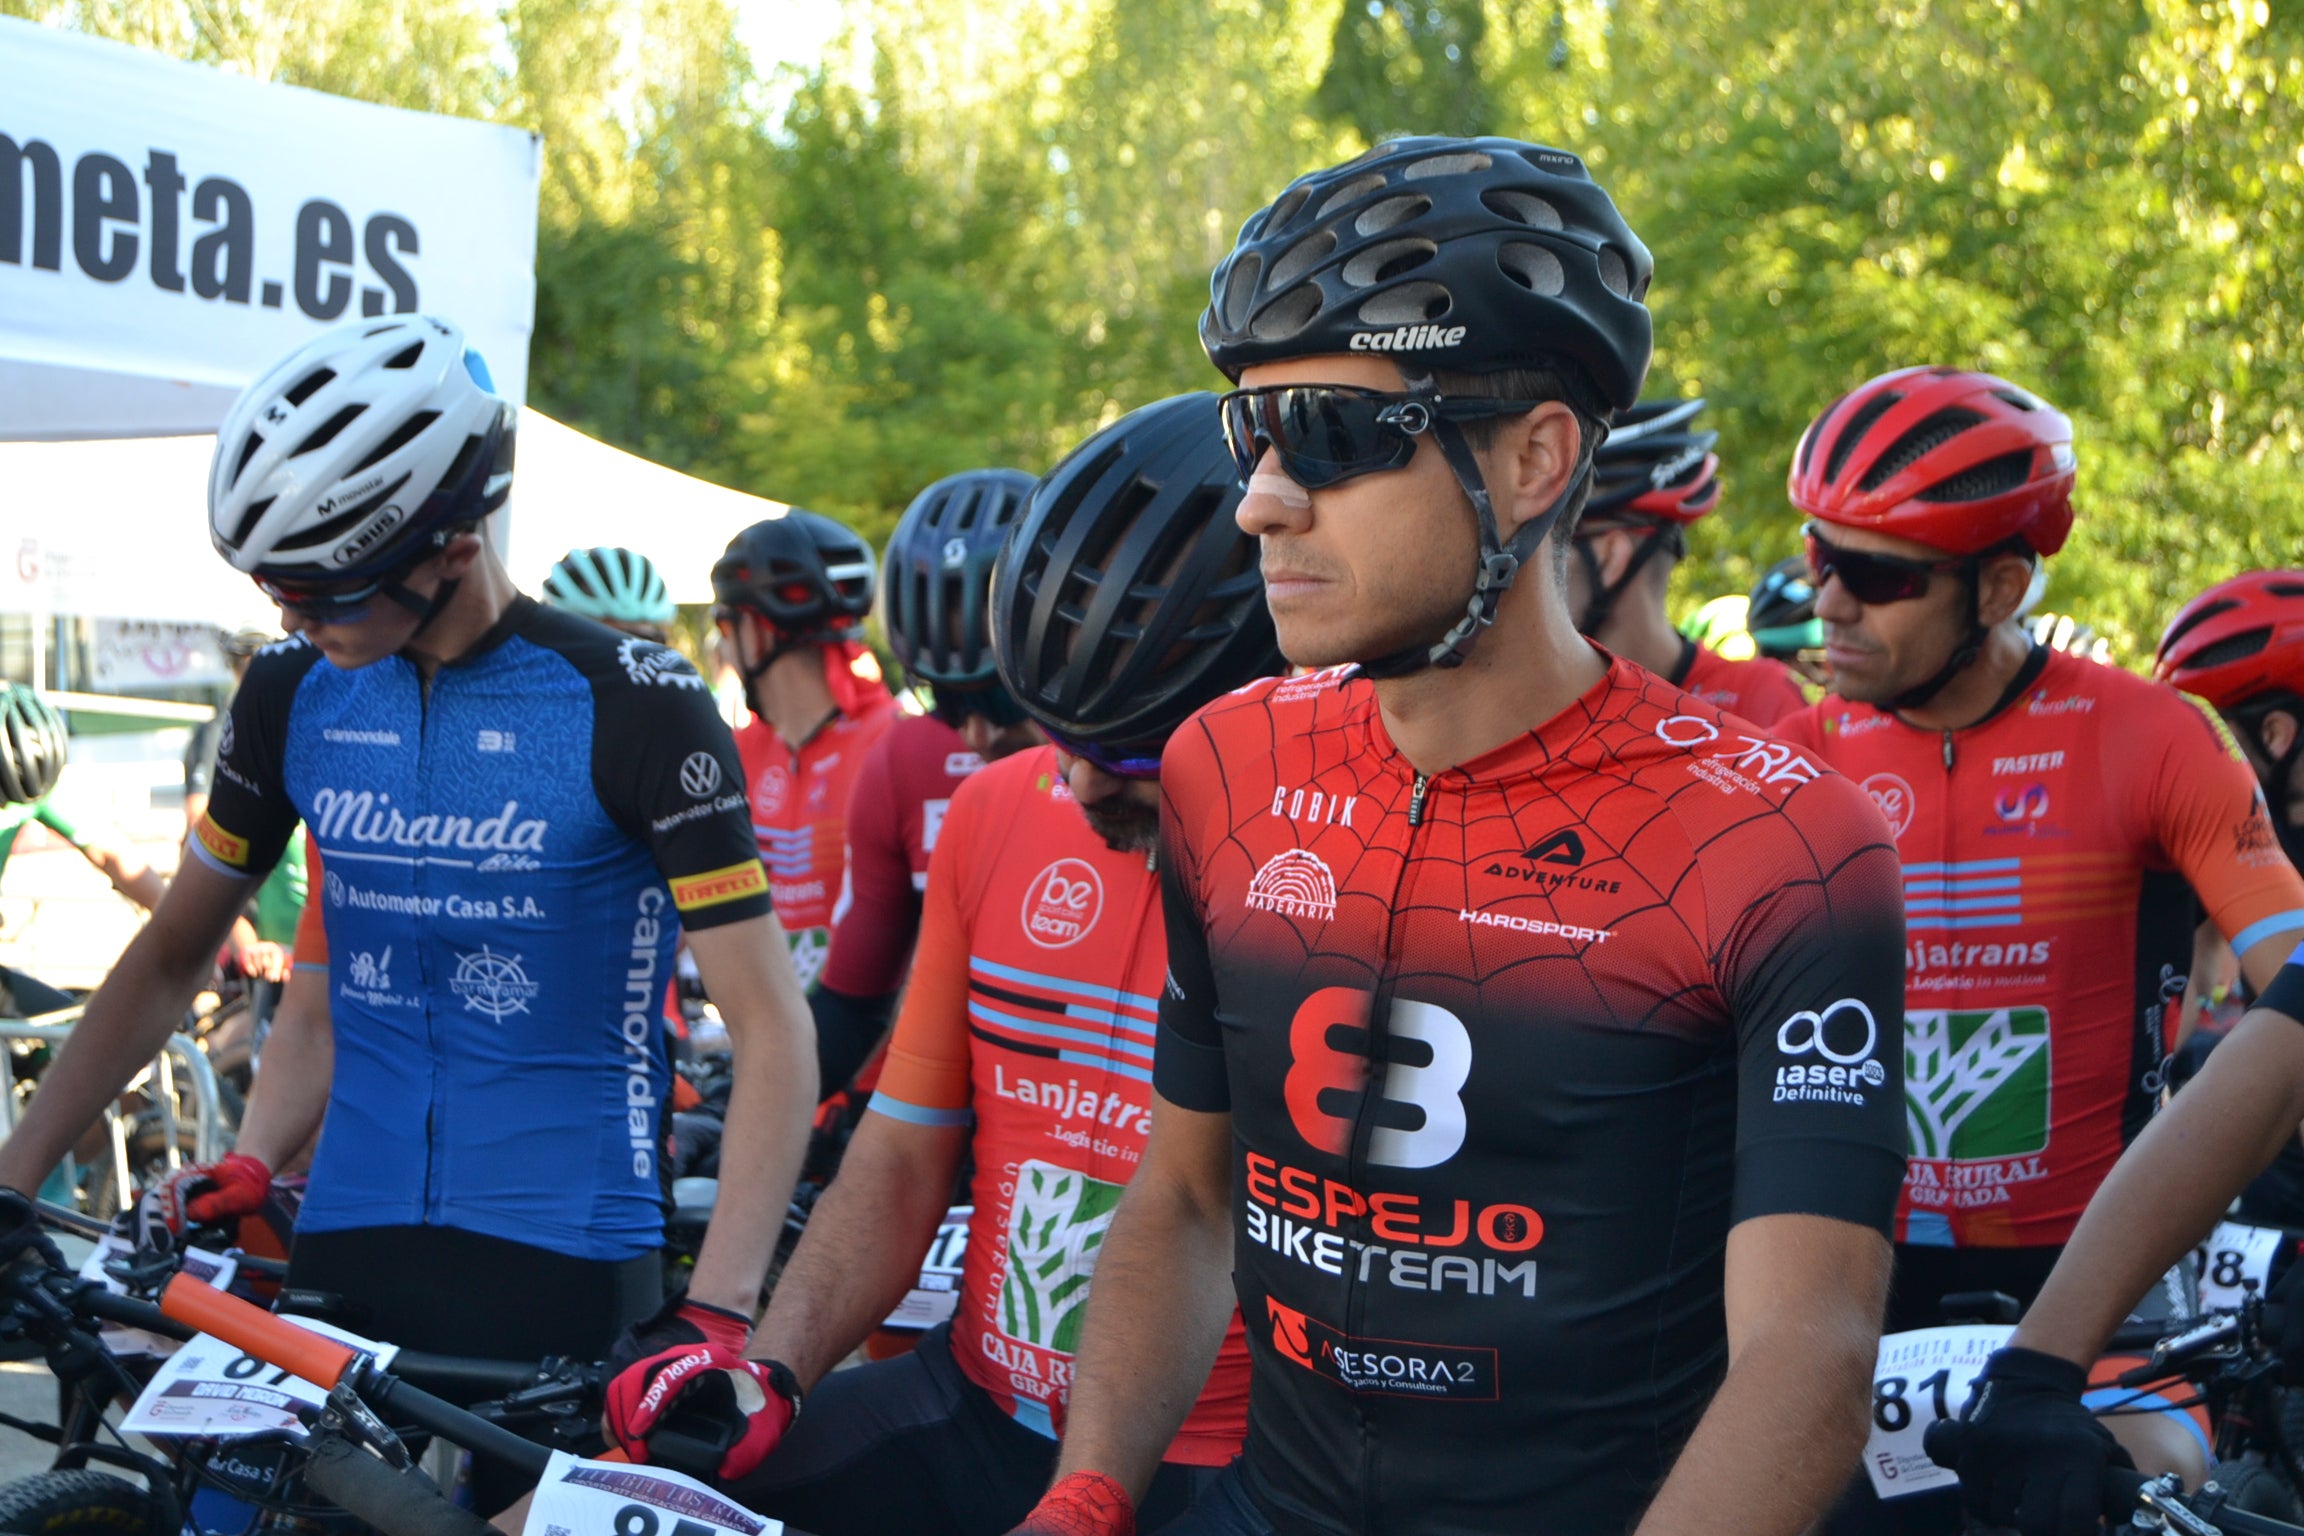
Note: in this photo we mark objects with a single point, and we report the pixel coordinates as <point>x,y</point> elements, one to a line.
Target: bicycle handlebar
<point>254,1331</point>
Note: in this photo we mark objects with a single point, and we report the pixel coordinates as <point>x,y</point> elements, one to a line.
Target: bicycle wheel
<point>76,1504</point>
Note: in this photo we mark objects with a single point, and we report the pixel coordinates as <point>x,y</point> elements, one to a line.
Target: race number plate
<point>215,1268</point>
<point>2235,1257</point>
<point>1922,1376</point>
<point>932,1300</point>
<point>611,1498</point>
<point>209,1388</point>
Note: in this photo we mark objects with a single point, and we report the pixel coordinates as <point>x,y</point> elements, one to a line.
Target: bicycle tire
<point>77,1504</point>
<point>2255,1488</point>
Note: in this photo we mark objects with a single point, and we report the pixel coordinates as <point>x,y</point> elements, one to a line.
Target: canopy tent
<point>116,529</point>
<point>168,231</point>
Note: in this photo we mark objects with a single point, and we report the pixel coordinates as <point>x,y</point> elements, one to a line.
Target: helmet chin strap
<point>425,608</point>
<point>1604,594</point>
<point>1499,562</point>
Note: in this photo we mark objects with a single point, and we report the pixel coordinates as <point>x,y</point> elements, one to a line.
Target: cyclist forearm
<point>1781,1437</point>
<point>863,1246</point>
<point>125,1024</point>
<point>771,1105</point>
<point>2172,1185</point>
<point>1160,1304</point>
<point>291,1094</point>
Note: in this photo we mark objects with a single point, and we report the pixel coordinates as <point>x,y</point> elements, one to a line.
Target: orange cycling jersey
<point>1031,1009</point>
<point>800,814</point>
<point>1759,689</point>
<point>2045,852</point>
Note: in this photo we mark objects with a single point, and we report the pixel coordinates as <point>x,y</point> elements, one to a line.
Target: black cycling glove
<point>2032,1457</point>
<point>20,1232</point>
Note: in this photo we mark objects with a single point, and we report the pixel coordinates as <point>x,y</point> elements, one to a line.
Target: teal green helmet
<point>615,586</point>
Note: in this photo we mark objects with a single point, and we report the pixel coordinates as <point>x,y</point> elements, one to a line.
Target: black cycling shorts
<point>909,1445</point>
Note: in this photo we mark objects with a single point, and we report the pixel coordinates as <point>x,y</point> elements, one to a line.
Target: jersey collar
<point>1522,755</point>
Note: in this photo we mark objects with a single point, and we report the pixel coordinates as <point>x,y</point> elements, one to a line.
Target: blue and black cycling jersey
<point>510,851</point>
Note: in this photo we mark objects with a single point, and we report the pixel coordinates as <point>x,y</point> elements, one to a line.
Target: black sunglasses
<point>324,604</point>
<point>1869,578</point>
<point>1122,765</point>
<point>1329,433</point>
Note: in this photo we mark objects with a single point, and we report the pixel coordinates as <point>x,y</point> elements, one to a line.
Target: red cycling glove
<point>1081,1504</point>
<point>232,1186</point>
<point>751,1401</point>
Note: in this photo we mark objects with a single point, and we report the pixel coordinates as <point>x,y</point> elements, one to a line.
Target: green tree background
<point>972,232</point>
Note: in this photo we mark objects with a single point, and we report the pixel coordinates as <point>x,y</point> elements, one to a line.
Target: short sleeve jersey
<point>1760,689</point>
<point>1030,1011</point>
<point>800,815</point>
<point>895,813</point>
<point>508,855</point>
<point>1507,1051</point>
<point>2046,853</point>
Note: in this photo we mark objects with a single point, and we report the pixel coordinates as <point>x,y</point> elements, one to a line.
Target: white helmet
<point>359,453</point>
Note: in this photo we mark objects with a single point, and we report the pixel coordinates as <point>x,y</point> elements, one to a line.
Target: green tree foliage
<point>973,232</point>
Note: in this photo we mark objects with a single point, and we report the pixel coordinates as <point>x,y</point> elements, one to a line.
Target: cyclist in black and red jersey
<point>934,582</point>
<point>1653,477</point>
<point>1521,1052</point>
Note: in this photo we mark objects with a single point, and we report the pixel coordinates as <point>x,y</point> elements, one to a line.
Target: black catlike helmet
<point>1127,597</point>
<point>808,576</point>
<point>32,745</point>
<point>1473,255</point>
<point>936,579</point>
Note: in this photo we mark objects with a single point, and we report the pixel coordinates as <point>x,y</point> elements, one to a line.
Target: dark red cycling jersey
<point>895,810</point>
<point>2046,854</point>
<point>1507,1051</point>
<point>1760,689</point>
<point>800,815</point>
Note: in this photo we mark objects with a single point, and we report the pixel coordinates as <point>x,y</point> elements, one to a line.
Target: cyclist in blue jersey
<point>519,811</point>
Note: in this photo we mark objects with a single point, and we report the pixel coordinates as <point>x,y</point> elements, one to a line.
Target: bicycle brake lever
<point>348,1416</point>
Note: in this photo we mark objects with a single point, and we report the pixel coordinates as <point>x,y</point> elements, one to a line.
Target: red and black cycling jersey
<point>1507,1051</point>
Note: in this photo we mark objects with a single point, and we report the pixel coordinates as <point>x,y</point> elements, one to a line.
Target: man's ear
<point>459,554</point>
<point>2276,733</point>
<point>2000,588</point>
<point>1534,458</point>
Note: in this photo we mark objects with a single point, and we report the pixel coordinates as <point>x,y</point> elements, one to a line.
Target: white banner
<point>164,221</point>
<point>133,655</point>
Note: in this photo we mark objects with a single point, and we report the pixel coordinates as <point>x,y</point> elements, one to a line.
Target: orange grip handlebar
<point>257,1332</point>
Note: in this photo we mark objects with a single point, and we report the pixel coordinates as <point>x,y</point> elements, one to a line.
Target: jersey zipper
<point>1356,1167</point>
<point>421,875</point>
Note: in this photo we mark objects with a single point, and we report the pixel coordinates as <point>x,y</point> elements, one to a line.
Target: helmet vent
<point>1614,272</point>
<point>1391,213</point>
<point>1533,267</point>
<point>1446,165</point>
<point>453,481</point>
<point>1522,208</point>
<point>1990,478</point>
<point>1291,203</point>
<point>1240,290</point>
<point>1853,433</point>
<point>309,385</point>
<point>325,433</point>
<point>1406,305</point>
<point>406,356</point>
<point>1287,315</point>
<point>1352,191</point>
<point>1302,257</point>
<point>249,519</point>
<point>406,433</point>
<point>247,452</point>
<point>2237,648</point>
<point>2193,621</point>
<point>1933,432</point>
<point>1382,263</point>
<point>2285,588</point>
<point>2016,398</point>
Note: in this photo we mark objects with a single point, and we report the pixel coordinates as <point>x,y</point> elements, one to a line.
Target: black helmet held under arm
<point>1127,597</point>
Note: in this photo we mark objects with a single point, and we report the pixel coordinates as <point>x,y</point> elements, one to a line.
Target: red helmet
<point>2239,639</point>
<point>1651,464</point>
<point>1954,460</point>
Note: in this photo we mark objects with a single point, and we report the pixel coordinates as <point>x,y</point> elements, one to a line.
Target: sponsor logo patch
<point>1294,884</point>
<point>1895,799</point>
<point>715,886</point>
<point>222,844</point>
<point>1062,904</point>
<point>1383,1367</point>
<point>493,984</point>
<point>700,774</point>
<point>646,662</point>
